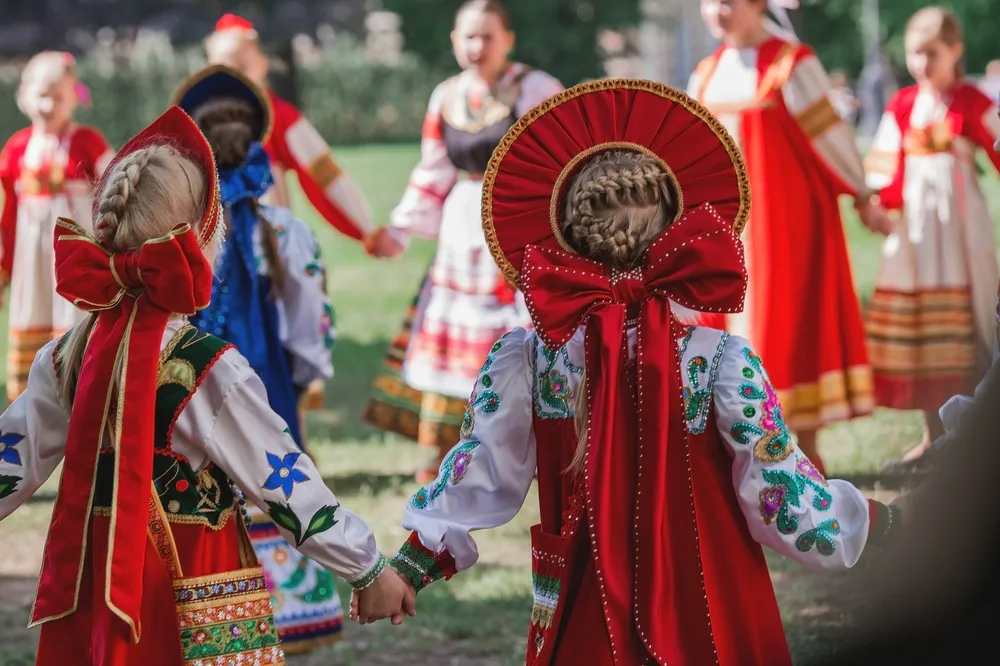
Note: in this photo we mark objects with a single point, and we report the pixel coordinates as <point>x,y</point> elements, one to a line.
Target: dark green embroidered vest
<point>204,497</point>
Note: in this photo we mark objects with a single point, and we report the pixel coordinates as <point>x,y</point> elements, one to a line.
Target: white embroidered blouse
<point>484,480</point>
<point>228,422</point>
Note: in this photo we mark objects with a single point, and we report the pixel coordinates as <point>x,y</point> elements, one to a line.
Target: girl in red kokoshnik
<point>802,312</point>
<point>661,449</point>
<point>47,170</point>
<point>162,429</point>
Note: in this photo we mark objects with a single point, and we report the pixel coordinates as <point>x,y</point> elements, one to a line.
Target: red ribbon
<point>134,294</point>
<point>640,501</point>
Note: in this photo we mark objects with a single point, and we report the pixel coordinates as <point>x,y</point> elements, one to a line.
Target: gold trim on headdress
<point>666,92</point>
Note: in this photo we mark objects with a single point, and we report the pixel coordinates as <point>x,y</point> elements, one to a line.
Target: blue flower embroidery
<point>284,476</point>
<point>8,453</point>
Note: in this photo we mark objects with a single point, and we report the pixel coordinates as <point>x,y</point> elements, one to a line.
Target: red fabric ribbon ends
<point>134,294</point>
<point>640,506</point>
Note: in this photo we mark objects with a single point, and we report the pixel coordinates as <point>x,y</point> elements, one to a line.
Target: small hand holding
<point>382,245</point>
<point>389,596</point>
<point>874,216</point>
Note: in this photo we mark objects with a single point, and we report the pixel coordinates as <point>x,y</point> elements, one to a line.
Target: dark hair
<point>488,7</point>
<point>231,125</point>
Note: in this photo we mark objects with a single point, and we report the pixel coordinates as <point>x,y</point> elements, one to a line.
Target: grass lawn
<point>479,618</point>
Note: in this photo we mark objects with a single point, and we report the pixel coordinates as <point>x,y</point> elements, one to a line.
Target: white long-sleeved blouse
<point>483,482</point>
<point>306,322</point>
<point>228,422</point>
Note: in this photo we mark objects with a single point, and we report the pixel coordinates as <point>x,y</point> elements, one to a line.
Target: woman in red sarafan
<point>802,311</point>
<point>661,450</point>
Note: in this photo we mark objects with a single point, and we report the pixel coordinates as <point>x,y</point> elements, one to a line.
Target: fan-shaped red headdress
<point>643,536</point>
<point>134,293</point>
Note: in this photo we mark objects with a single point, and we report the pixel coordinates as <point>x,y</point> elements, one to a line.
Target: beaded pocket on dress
<point>549,576</point>
<point>223,618</point>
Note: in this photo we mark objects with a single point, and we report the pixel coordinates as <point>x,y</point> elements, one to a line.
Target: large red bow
<point>638,483</point>
<point>134,294</point>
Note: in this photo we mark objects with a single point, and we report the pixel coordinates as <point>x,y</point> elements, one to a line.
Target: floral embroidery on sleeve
<point>283,516</point>
<point>764,427</point>
<point>453,469</point>
<point>284,475</point>
<point>774,441</point>
<point>553,392</point>
<point>328,326</point>
<point>8,453</point>
<point>8,485</point>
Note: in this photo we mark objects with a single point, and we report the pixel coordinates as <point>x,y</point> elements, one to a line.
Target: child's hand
<point>382,245</point>
<point>389,596</point>
<point>874,216</point>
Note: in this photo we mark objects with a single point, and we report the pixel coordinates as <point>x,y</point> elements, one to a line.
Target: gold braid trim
<point>666,92</point>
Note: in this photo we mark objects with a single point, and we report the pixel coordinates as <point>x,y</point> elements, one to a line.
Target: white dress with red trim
<point>44,177</point>
<point>931,322</point>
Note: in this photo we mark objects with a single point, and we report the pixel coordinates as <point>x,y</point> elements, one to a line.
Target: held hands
<point>381,245</point>
<point>874,216</point>
<point>389,596</point>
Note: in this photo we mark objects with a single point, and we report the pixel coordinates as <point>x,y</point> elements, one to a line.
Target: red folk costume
<point>147,559</point>
<point>649,555</point>
<point>802,310</point>
<point>44,177</point>
<point>296,146</point>
<point>931,321</point>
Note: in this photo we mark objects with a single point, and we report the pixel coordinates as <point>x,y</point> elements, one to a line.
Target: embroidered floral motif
<point>283,516</point>
<point>284,474</point>
<point>453,470</point>
<point>786,489</point>
<point>775,499</point>
<point>773,439</point>
<point>468,421</point>
<point>8,485</point>
<point>701,376</point>
<point>328,326</point>
<point>8,453</point>
<point>552,387</point>
<point>821,537</point>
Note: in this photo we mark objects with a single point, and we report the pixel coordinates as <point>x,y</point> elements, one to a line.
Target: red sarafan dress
<point>802,311</point>
<point>651,552</point>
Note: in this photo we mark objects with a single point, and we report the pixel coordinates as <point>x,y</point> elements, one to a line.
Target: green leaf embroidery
<point>284,517</point>
<point>321,521</point>
<point>8,484</point>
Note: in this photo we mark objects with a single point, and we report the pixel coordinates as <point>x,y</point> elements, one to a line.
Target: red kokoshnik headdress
<point>134,294</point>
<point>643,532</point>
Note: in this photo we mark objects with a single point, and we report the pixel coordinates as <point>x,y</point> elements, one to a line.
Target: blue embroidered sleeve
<point>788,504</point>
<point>483,481</point>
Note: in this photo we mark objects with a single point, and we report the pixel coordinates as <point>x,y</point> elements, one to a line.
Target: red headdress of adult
<point>134,293</point>
<point>643,535</point>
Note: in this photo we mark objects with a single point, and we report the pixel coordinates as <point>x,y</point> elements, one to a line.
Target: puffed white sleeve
<point>787,503</point>
<point>32,434</point>
<point>483,481</point>
<point>309,335</point>
<point>252,445</point>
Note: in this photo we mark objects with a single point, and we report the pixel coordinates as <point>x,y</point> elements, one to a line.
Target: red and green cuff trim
<point>883,521</point>
<point>420,566</point>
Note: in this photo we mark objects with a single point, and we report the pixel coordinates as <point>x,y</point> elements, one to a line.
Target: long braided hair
<point>616,205</point>
<point>144,196</point>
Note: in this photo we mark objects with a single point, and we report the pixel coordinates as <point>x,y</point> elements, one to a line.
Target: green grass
<point>479,618</point>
